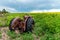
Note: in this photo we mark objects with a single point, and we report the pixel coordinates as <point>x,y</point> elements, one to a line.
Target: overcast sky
<point>29,5</point>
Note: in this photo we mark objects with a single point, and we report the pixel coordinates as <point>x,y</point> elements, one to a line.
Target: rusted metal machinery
<point>25,25</point>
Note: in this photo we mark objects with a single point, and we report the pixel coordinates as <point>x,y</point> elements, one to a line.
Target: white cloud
<point>51,10</point>
<point>54,10</point>
<point>24,1</point>
<point>8,9</point>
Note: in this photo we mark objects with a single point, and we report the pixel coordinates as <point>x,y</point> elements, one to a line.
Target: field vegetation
<point>47,26</point>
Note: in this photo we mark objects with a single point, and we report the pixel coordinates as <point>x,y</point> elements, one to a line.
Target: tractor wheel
<point>10,28</point>
<point>29,24</point>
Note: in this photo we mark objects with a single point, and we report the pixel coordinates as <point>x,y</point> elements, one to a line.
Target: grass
<point>47,26</point>
<point>24,36</point>
<point>0,34</point>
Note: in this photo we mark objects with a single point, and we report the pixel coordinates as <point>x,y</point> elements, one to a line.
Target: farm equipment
<point>25,25</point>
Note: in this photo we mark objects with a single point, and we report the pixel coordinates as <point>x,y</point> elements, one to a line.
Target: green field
<point>47,26</point>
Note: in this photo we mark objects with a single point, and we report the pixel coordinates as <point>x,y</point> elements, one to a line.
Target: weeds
<point>47,27</point>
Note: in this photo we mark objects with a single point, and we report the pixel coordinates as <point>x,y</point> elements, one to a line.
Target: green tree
<point>0,12</point>
<point>4,11</point>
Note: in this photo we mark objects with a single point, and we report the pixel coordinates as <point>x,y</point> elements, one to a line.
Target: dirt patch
<point>6,37</point>
<point>35,37</point>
